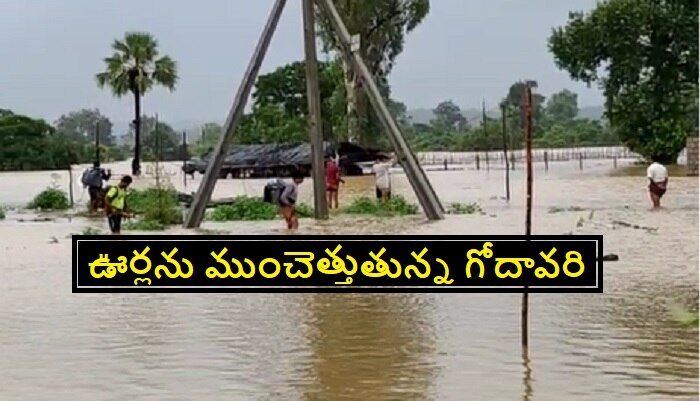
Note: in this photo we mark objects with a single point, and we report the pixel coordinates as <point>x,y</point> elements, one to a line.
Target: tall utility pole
<point>314,116</point>
<point>419,181</point>
<point>201,198</point>
<point>527,103</point>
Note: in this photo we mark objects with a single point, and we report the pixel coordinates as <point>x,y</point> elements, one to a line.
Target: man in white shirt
<point>382,173</point>
<point>658,179</point>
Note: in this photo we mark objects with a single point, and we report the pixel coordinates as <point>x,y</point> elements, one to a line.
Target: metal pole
<point>314,115</point>
<point>416,176</point>
<point>505,150</point>
<point>203,195</point>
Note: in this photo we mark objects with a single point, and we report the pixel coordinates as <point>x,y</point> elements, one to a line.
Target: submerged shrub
<point>464,208</point>
<point>156,208</point>
<point>396,206</point>
<point>50,199</point>
<point>248,208</point>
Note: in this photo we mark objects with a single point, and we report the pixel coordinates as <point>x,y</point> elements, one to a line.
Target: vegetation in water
<point>464,208</point>
<point>2,213</point>
<point>556,209</point>
<point>684,317</point>
<point>247,208</point>
<point>396,206</point>
<point>50,199</point>
<point>155,208</point>
<point>145,225</point>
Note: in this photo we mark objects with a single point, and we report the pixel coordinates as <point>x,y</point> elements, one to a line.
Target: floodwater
<point>619,345</point>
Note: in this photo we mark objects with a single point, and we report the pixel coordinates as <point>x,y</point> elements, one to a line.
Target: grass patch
<point>248,208</point>
<point>396,206</point>
<point>464,208</point>
<point>50,199</point>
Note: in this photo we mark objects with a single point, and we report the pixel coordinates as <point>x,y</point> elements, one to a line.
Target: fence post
<point>477,162</point>
<point>580,161</point>
<point>546,161</point>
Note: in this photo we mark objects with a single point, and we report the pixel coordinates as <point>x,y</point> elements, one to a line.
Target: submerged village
<point>335,149</point>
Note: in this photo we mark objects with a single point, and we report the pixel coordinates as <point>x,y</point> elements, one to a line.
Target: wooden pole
<point>184,158</point>
<point>416,176</point>
<point>505,149</point>
<point>528,208</point>
<point>156,152</point>
<point>203,195</point>
<point>477,162</point>
<point>314,116</point>
<point>546,161</point>
<point>70,185</point>
<point>97,141</point>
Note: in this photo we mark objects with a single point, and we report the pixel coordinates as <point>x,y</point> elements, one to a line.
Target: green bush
<point>50,199</point>
<point>396,206</point>
<point>464,208</point>
<point>155,207</point>
<point>2,213</point>
<point>246,208</point>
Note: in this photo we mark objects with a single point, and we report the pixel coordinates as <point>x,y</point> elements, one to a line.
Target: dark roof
<point>281,154</point>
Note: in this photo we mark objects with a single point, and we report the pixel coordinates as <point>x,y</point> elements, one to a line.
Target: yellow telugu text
<point>304,264</point>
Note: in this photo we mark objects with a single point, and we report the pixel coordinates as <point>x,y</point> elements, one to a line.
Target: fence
<point>538,155</point>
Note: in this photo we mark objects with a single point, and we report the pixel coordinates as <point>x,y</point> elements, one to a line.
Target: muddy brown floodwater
<point>619,345</point>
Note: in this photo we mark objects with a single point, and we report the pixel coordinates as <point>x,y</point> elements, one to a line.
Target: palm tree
<point>135,67</point>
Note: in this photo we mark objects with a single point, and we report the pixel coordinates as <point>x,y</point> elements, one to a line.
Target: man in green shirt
<point>115,204</point>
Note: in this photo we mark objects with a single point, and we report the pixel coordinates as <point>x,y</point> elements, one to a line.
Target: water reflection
<point>371,347</point>
<point>527,376</point>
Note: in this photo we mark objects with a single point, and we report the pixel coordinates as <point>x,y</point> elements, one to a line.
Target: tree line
<point>33,144</point>
<point>643,54</point>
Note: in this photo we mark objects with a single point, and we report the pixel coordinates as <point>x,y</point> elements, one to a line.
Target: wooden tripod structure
<point>419,181</point>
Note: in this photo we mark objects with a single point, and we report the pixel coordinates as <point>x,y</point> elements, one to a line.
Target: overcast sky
<point>465,50</point>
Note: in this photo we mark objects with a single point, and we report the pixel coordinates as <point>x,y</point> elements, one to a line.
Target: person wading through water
<point>658,180</point>
<point>115,204</point>
<point>93,179</point>
<point>333,182</point>
<point>382,173</point>
<point>288,200</point>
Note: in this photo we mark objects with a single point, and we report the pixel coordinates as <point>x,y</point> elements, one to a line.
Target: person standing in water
<point>333,182</point>
<point>288,200</point>
<point>382,174</point>
<point>658,180</point>
<point>93,179</point>
<point>115,204</point>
